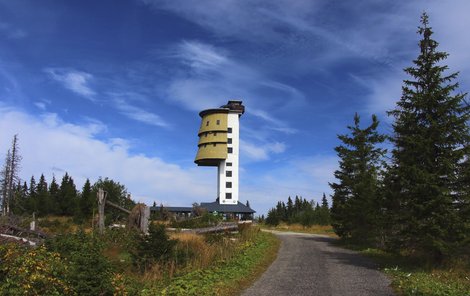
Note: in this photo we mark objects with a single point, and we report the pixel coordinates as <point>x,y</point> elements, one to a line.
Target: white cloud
<point>50,145</point>
<point>243,19</point>
<point>40,105</point>
<point>211,75</point>
<point>138,114</point>
<point>260,152</point>
<point>200,55</point>
<point>76,81</point>
<point>300,35</point>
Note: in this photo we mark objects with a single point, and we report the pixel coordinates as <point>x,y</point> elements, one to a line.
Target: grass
<point>227,276</point>
<point>213,264</point>
<point>314,229</point>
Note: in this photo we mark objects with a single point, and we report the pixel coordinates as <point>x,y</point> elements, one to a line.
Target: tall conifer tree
<point>68,196</point>
<point>430,130</point>
<point>87,201</point>
<point>44,200</point>
<point>355,209</point>
<point>32,203</point>
<point>54,196</point>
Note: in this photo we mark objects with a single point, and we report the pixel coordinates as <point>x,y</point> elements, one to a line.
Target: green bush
<point>206,220</point>
<point>154,247</point>
<point>89,272</point>
<point>27,271</point>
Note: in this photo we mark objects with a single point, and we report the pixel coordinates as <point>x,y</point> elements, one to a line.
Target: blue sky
<point>113,88</point>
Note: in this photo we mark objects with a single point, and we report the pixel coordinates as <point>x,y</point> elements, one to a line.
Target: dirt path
<point>309,264</point>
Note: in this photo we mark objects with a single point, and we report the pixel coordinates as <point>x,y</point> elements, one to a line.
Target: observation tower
<point>219,141</point>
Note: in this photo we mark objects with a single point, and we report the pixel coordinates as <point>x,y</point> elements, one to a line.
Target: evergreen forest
<point>414,197</point>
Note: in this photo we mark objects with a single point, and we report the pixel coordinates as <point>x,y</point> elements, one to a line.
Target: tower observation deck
<point>219,141</point>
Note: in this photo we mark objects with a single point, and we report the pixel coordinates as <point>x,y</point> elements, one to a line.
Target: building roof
<point>173,209</point>
<point>216,207</point>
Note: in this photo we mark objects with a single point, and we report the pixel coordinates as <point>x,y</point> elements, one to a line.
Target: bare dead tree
<point>9,175</point>
<point>4,175</point>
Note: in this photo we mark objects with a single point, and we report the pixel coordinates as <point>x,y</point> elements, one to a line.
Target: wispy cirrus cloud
<point>74,80</point>
<point>212,76</point>
<point>256,152</point>
<point>244,20</point>
<point>137,113</point>
<point>317,36</point>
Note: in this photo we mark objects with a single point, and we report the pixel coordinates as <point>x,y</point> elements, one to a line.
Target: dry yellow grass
<point>315,229</point>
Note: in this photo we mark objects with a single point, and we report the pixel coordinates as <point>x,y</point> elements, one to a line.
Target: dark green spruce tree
<point>54,197</point>
<point>355,211</point>
<point>86,202</point>
<point>43,197</point>
<point>32,200</point>
<point>68,196</point>
<point>323,212</point>
<point>430,134</point>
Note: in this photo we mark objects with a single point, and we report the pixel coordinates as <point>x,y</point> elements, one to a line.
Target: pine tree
<point>272,218</point>
<point>68,196</point>
<point>290,208</point>
<point>32,203</point>
<point>355,208</point>
<point>43,197</point>
<point>87,201</point>
<point>323,212</point>
<point>18,205</point>
<point>430,129</point>
<point>54,197</point>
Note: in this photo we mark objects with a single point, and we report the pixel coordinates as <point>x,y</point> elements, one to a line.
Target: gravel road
<point>309,264</point>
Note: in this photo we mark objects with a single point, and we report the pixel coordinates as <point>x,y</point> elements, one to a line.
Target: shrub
<point>154,247</point>
<point>32,272</point>
<point>206,220</point>
<point>89,272</point>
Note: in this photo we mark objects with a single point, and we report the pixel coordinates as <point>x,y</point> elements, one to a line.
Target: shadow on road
<point>331,250</point>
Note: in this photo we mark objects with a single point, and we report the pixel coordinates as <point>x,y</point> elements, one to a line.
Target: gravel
<point>309,264</point>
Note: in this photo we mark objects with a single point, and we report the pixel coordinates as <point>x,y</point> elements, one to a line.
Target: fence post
<point>101,202</point>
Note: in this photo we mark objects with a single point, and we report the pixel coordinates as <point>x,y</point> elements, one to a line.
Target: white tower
<point>219,142</point>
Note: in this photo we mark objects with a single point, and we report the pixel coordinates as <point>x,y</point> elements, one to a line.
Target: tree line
<point>64,199</point>
<point>416,197</point>
<point>300,211</point>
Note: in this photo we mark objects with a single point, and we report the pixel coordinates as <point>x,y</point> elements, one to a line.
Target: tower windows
<point>207,123</point>
<point>228,195</point>
<point>228,173</point>
<point>229,130</point>
<point>229,164</point>
<point>228,184</point>
<point>218,122</point>
<point>229,140</point>
<point>230,150</point>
